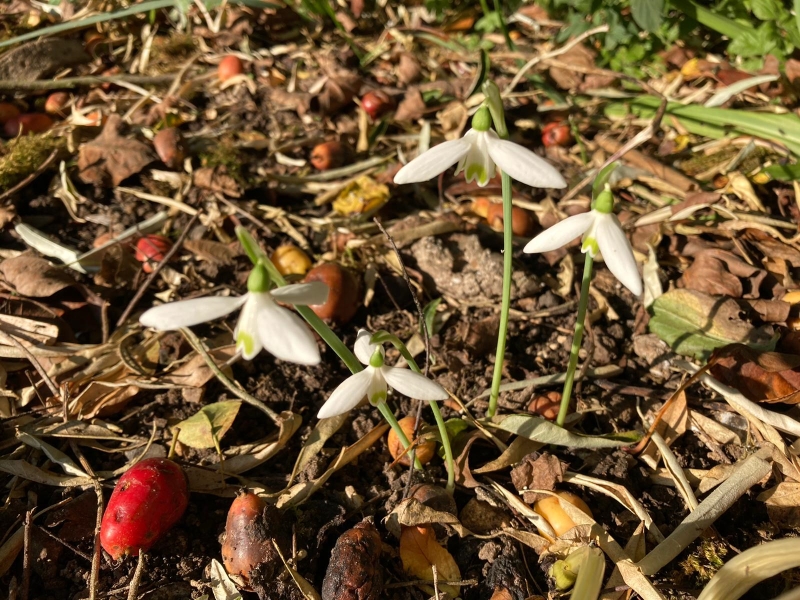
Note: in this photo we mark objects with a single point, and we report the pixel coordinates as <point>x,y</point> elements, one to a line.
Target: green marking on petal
<point>378,398</point>
<point>245,342</point>
<point>482,119</point>
<point>590,245</point>
<point>476,171</point>
<point>376,360</point>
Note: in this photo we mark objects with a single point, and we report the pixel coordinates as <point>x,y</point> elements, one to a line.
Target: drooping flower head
<point>263,324</point>
<point>601,232</point>
<point>373,382</point>
<point>477,154</point>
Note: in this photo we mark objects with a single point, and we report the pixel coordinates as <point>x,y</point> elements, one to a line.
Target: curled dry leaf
<point>420,551</point>
<point>354,572</point>
<point>34,277</point>
<point>719,272</point>
<point>537,472</point>
<point>760,376</point>
<point>217,179</point>
<point>112,155</point>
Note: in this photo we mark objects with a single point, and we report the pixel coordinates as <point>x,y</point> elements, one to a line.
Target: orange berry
<point>424,450</point>
<point>228,67</point>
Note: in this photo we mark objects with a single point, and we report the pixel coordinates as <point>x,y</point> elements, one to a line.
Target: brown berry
<point>55,103</point>
<point>150,250</point>
<point>546,405</point>
<point>247,543</point>
<point>228,67</point>
<point>8,111</point>
<point>27,123</point>
<point>556,133</point>
<point>290,260</point>
<point>376,103</point>
<point>170,147</point>
<point>425,450</point>
<point>343,292</point>
<point>328,155</point>
<point>521,220</point>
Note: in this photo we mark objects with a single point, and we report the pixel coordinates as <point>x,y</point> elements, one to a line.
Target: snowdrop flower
<point>262,323</point>
<point>601,232</point>
<point>374,380</point>
<point>477,153</point>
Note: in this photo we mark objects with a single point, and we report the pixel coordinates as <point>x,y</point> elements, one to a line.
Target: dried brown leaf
<point>719,272</point>
<point>411,107</point>
<point>760,376</point>
<point>34,277</point>
<point>217,179</point>
<point>420,551</point>
<point>537,472</point>
<point>216,253</point>
<point>112,155</point>
<point>408,69</point>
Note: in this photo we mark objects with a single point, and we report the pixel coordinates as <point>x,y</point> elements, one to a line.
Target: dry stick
<point>143,288</point>
<point>26,557</point>
<point>39,170</point>
<point>72,82</point>
<point>133,591</point>
<point>241,393</point>
<point>34,361</point>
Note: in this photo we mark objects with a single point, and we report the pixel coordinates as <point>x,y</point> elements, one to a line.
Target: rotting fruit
<point>343,292</point>
<point>147,501</point>
<point>424,450</point>
<point>355,567</point>
<point>248,550</point>
<point>290,260</point>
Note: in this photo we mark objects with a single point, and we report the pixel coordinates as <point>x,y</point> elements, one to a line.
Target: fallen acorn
<point>147,501</point>
<point>229,67</point>
<point>343,292</point>
<point>424,450</point>
<point>151,249</point>
<point>354,571</point>
<point>248,551</point>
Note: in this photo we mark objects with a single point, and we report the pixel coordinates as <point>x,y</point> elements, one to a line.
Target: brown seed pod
<point>170,147</point>
<point>354,572</point>
<point>376,103</point>
<point>343,292</point>
<point>228,67</point>
<point>425,450</point>
<point>290,260</point>
<point>329,155</point>
<point>248,544</point>
<point>521,220</point>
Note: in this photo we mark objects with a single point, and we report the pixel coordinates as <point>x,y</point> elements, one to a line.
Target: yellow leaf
<point>419,551</point>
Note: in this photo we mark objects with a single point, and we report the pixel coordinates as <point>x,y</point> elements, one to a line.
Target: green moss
<point>22,156</point>
<point>225,154</point>
<point>702,564</point>
<point>167,51</point>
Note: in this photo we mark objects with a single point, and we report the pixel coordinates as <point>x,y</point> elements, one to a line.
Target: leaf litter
<point>709,202</point>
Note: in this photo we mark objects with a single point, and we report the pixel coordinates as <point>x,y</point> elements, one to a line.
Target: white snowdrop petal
<point>561,233</point>
<point>617,252</point>
<point>413,384</point>
<point>436,160</point>
<point>248,341</point>
<point>185,313</point>
<point>363,349</point>
<point>285,335</point>
<point>315,292</point>
<point>348,395</point>
<point>522,164</point>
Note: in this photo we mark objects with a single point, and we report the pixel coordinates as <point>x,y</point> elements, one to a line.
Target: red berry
<point>228,67</point>
<point>147,501</point>
<point>150,250</point>
<point>556,134</point>
<point>376,103</point>
<point>27,123</point>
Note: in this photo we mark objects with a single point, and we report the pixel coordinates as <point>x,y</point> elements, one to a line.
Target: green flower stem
<point>576,340</point>
<point>389,416</point>
<point>381,336</point>
<point>508,256</point>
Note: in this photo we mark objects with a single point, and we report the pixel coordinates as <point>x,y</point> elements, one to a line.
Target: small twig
<point>73,82</point>
<point>559,51</point>
<point>35,362</point>
<point>133,591</point>
<point>63,543</point>
<point>26,557</point>
<point>98,490</point>
<point>162,263</point>
<point>228,383</point>
<point>39,170</point>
